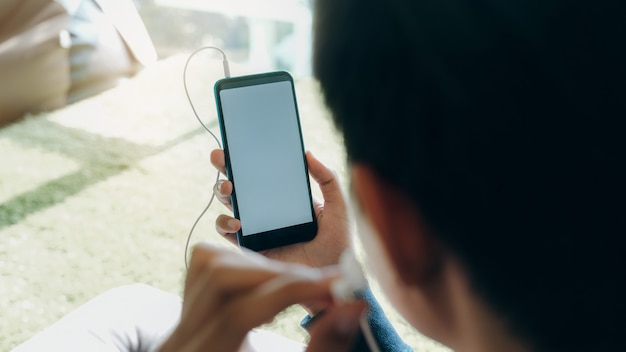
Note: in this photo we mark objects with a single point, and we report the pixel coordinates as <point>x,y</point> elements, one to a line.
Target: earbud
<point>352,282</point>
<point>349,288</point>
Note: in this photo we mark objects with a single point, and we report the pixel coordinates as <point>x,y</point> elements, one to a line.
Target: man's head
<point>498,126</point>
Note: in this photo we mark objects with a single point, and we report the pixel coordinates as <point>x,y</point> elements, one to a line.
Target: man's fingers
<point>227,225</point>
<point>249,309</point>
<point>326,178</point>
<point>337,329</point>
<point>223,190</point>
<point>217,274</point>
<point>228,293</point>
<point>201,255</point>
<point>303,284</point>
<point>218,160</point>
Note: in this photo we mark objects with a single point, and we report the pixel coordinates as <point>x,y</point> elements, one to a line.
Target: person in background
<point>54,53</point>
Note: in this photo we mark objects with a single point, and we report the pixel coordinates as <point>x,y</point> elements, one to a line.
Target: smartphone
<point>265,160</point>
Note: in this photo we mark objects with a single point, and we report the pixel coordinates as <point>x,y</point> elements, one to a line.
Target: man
<point>485,152</point>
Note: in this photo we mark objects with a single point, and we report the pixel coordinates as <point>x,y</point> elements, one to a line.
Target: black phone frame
<point>281,236</point>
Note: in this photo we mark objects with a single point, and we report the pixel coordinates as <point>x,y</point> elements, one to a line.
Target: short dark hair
<point>503,123</point>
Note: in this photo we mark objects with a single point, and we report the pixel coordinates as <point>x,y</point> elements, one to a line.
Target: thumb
<point>325,178</point>
<point>337,329</point>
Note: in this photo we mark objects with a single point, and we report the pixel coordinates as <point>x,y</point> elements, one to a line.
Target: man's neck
<point>477,328</point>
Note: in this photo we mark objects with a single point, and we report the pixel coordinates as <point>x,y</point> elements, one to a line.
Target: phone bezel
<point>277,237</point>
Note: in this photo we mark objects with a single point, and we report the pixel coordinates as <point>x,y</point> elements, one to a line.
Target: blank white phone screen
<point>266,158</point>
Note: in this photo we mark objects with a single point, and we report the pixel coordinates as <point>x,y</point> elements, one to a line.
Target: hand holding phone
<point>333,220</point>
<point>265,160</point>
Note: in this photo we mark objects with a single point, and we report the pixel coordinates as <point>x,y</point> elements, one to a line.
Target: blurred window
<point>264,34</point>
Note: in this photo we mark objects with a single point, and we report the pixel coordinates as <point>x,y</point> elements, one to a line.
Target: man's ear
<point>411,249</point>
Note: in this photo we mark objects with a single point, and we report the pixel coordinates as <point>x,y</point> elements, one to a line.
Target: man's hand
<point>333,223</point>
<point>229,293</point>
